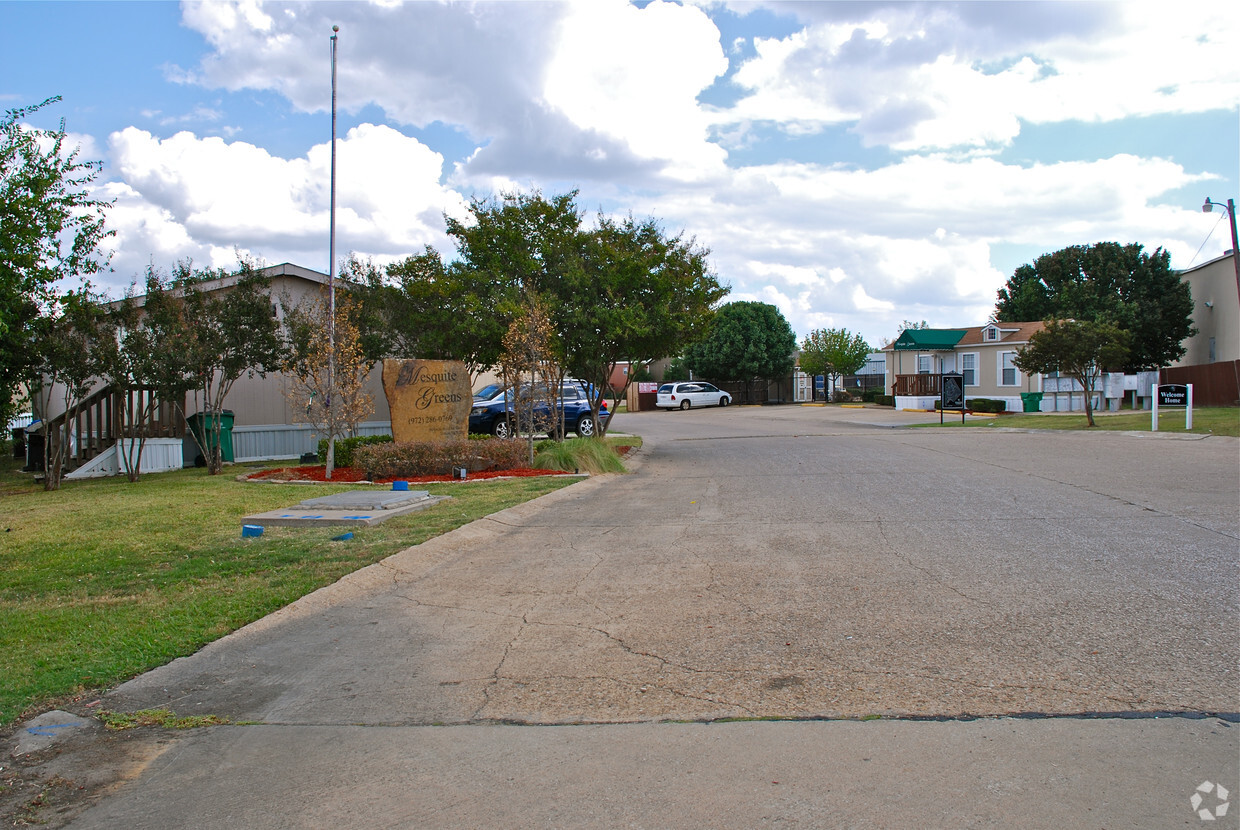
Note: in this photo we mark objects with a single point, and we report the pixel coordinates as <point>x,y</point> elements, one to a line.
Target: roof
<point>928,340</point>
<point>1008,333</point>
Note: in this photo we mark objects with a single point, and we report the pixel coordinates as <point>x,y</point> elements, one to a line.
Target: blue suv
<point>496,416</point>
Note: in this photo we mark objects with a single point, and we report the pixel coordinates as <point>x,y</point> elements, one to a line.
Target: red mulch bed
<point>349,475</point>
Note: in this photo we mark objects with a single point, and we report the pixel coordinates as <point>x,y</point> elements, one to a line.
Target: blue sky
<point>857,164</point>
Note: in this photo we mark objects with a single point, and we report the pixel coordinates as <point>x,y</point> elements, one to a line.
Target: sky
<point>856,164</point>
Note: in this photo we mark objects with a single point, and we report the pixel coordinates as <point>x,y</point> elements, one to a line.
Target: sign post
<point>951,394</point>
<point>1174,395</point>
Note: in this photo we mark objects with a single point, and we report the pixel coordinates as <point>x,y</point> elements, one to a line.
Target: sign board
<point>429,399</point>
<point>644,387</point>
<point>953,390</point>
<point>1173,394</point>
<point>951,394</point>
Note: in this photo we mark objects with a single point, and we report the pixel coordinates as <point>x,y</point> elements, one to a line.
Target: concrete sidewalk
<point>983,774</point>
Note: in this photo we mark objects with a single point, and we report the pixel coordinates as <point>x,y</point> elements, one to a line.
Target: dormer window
<point>990,333</point>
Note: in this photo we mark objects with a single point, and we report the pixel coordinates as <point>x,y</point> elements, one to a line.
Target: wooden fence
<point>1214,384</point>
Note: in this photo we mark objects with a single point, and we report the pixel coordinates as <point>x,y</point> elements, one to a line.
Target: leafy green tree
<point>64,369</point>
<point>129,360</point>
<point>421,307</point>
<point>677,369</point>
<point>214,327</point>
<point>1078,349</point>
<point>747,341</point>
<point>639,296</point>
<point>833,353</point>
<point>1107,283</point>
<point>50,230</point>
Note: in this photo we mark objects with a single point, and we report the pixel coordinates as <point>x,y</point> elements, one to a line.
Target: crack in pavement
<point>907,558</point>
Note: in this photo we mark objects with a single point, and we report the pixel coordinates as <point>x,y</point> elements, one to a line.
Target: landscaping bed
<point>356,475</point>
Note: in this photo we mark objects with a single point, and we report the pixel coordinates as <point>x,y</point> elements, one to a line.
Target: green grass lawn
<point>104,579</point>
<point>1218,420</point>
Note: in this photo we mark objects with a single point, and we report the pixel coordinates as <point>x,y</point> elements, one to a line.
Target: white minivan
<point>688,394</point>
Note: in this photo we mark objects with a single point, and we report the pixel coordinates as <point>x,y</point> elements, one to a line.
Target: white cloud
<point>634,74</point>
<point>929,76</point>
<point>190,196</point>
<point>915,239</point>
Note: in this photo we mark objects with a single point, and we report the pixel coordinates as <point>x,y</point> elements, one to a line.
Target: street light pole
<point>1235,247</point>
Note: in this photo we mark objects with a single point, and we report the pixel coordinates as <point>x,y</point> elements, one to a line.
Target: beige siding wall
<point>1213,283</point>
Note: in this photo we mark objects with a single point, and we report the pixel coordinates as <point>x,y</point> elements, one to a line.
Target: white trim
<point>976,369</point>
<point>1000,367</point>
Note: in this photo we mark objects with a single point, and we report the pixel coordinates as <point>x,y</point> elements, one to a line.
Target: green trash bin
<point>1031,401</point>
<point>203,425</point>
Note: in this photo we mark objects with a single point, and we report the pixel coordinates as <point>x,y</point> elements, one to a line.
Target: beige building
<point>1216,312</point>
<point>264,423</point>
<point>984,355</point>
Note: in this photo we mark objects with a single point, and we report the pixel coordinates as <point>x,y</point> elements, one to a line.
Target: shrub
<point>885,400</point>
<point>872,394</point>
<point>840,396</point>
<point>437,458</point>
<point>986,405</point>
<point>346,447</point>
<point>585,454</point>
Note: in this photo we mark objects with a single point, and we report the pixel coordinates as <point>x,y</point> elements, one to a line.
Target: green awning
<point>928,340</point>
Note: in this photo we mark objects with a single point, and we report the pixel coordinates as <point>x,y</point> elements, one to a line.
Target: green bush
<point>437,458</point>
<point>578,454</point>
<point>872,394</point>
<point>345,447</point>
<point>986,405</point>
<point>885,400</point>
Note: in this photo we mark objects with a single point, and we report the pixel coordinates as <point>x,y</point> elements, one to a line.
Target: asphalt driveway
<point>761,563</point>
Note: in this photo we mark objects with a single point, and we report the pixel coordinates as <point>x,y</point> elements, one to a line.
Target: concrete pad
<point>356,508</point>
<point>47,729</point>
<point>365,500</point>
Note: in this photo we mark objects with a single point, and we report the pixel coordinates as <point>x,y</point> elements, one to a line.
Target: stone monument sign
<point>429,399</point>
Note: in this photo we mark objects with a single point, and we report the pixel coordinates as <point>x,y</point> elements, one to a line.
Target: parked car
<point>690,394</point>
<point>490,392</point>
<point>496,417</point>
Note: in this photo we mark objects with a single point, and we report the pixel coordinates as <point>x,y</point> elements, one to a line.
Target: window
<point>1009,375</point>
<point>923,364</point>
<point>968,368</point>
<point>991,333</point>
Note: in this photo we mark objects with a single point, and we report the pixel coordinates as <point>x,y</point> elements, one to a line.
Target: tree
<point>529,367</point>
<point>1107,283</point>
<point>129,360</point>
<point>65,366</point>
<point>327,373</point>
<point>1078,349</point>
<point>50,230</point>
<point>833,353</point>
<point>213,328</point>
<point>420,307</point>
<point>747,341</point>
<point>639,296</point>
